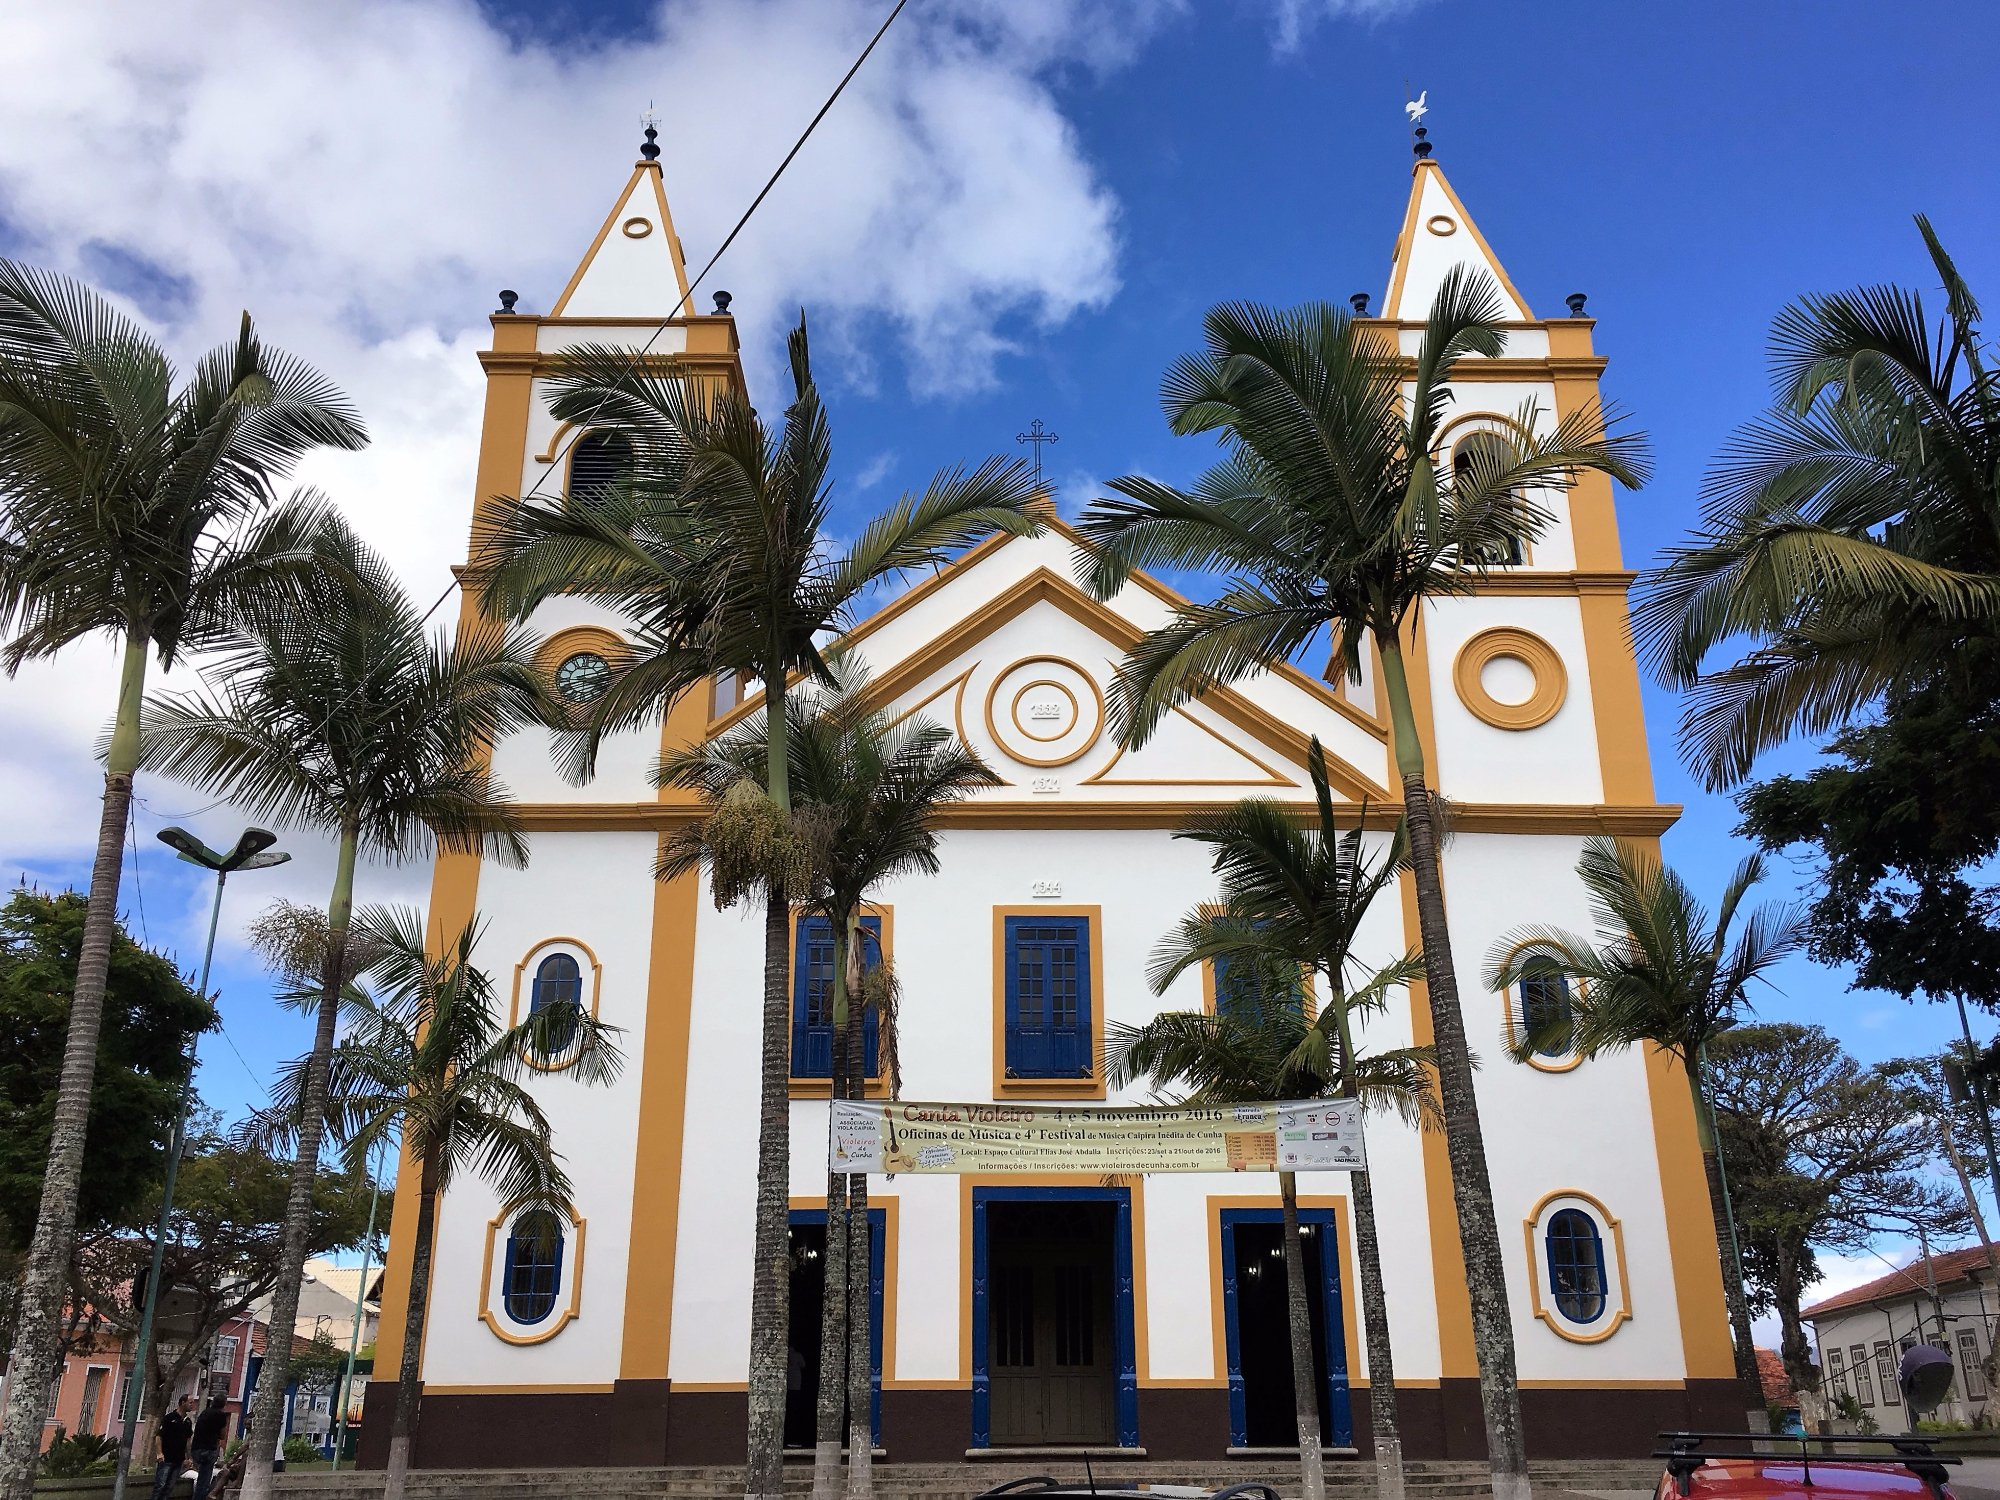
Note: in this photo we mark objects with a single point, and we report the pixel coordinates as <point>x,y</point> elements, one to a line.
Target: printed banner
<point>1316,1135</point>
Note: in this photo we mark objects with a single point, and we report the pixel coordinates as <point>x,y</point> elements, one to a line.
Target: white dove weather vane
<point>1416,109</point>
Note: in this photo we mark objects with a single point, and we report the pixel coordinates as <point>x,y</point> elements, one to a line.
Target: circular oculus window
<point>582,677</point>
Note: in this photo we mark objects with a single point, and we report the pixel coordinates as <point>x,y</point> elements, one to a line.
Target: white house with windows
<point>1951,1301</point>
<point>1036,1313</point>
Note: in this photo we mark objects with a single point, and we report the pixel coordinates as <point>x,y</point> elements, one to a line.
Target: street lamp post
<point>252,851</point>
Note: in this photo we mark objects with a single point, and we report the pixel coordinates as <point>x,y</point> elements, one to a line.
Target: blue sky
<point>1038,244</point>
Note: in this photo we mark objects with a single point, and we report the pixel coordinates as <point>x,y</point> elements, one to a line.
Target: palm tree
<point>145,512</point>
<point>869,787</point>
<point>430,1063</point>
<point>1852,535</point>
<point>717,551</point>
<point>1293,898</point>
<point>1663,973</point>
<point>347,717</point>
<point>1329,513</point>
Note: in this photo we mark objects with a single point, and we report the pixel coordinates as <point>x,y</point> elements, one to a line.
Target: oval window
<point>1576,1265</point>
<point>557,995</point>
<point>534,1267</point>
<point>1546,1014</point>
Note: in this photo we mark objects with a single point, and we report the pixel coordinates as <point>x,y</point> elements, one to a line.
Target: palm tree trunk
<point>268,1416</point>
<point>860,1307</point>
<point>833,1298</point>
<point>1471,1184</point>
<point>771,1270</point>
<point>45,1284</point>
<point>1383,1421</point>
<point>403,1426</point>
<point>1732,1270</point>
<point>1305,1396</point>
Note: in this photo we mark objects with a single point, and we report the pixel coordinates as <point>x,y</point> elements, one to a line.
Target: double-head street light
<point>252,851</point>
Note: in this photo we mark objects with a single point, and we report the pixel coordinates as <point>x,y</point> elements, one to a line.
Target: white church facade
<point>1133,1314</point>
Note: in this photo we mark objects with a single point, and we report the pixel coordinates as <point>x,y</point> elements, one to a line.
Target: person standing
<point>209,1428</point>
<point>172,1436</point>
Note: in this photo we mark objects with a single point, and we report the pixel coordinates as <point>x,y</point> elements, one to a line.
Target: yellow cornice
<point>1620,820</point>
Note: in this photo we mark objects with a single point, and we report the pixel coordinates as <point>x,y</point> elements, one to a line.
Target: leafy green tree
<point>1663,974</point>
<point>348,718</point>
<point>430,1063</point>
<point>139,507</point>
<point>1293,900</point>
<point>1851,536</point>
<point>717,550</point>
<point>1823,1154</point>
<point>1902,825</point>
<point>150,1015</point>
<point>1330,513</point>
<point>225,1246</point>
<point>867,789</point>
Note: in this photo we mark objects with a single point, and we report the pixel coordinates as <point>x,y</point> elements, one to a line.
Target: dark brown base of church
<point>643,1423</point>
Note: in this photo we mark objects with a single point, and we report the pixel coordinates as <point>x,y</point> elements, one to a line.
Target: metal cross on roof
<point>1037,435</point>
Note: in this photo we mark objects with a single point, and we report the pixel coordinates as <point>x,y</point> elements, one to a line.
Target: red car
<point>1740,1466</point>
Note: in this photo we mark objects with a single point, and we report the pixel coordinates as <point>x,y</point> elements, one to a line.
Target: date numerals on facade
<point>1046,890</point>
<point>1046,786</point>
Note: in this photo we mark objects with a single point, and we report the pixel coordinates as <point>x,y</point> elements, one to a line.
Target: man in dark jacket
<point>209,1429</point>
<point>172,1437</point>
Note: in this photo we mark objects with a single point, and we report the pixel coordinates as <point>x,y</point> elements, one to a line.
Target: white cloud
<point>1292,21</point>
<point>364,177</point>
<point>875,470</point>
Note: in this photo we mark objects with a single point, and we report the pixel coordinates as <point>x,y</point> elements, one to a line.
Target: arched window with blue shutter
<point>598,464</point>
<point>558,989</point>
<point>1575,1252</point>
<point>812,998</point>
<point>533,1273</point>
<point>1545,1003</point>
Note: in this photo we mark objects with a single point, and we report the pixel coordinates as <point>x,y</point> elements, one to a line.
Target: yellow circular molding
<point>564,644</point>
<point>637,229</point>
<point>1086,725</point>
<point>1075,710</point>
<point>1441,225</point>
<point>1536,654</point>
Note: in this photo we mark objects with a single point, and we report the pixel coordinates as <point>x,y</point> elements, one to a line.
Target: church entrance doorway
<point>1053,1361</point>
<point>1263,1410</point>
<point>807,1235</point>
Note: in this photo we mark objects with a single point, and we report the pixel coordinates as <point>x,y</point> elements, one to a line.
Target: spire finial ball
<point>650,151</point>
<point>1422,145</point>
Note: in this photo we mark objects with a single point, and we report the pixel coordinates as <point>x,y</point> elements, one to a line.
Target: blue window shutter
<point>812,998</point>
<point>1048,999</point>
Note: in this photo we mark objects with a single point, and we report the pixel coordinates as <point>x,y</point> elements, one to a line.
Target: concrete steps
<point>1348,1479</point>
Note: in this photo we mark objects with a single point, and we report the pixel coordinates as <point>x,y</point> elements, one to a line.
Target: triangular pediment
<point>1439,237</point>
<point>634,269</point>
<point>1019,661</point>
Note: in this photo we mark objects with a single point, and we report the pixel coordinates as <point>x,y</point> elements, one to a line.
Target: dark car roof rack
<point>1687,1451</point>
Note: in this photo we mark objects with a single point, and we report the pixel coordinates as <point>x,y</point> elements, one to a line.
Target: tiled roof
<point>1952,1268</point>
<point>1772,1377</point>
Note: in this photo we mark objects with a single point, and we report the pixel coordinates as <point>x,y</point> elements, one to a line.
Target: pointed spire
<point>634,268</point>
<point>1438,235</point>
